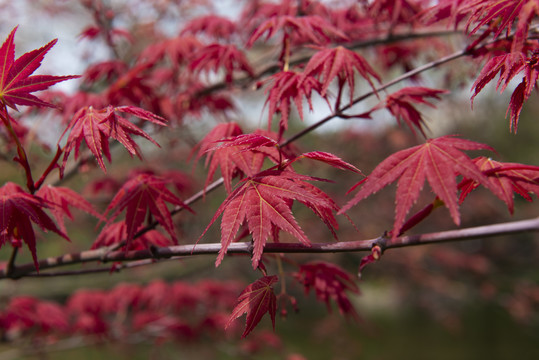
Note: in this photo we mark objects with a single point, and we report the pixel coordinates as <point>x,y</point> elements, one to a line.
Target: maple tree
<point>345,59</point>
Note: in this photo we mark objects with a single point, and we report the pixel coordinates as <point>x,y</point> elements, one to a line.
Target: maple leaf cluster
<point>294,54</point>
<point>177,311</point>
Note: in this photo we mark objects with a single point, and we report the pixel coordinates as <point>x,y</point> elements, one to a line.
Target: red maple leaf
<point>330,63</point>
<point>400,105</point>
<point>256,300</point>
<point>393,11</point>
<point>263,202</point>
<point>87,307</point>
<point>447,9</point>
<point>19,209</point>
<point>217,27</point>
<point>62,198</point>
<point>508,66</point>
<point>97,126</point>
<point>506,179</point>
<point>329,282</point>
<point>288,86</point>
<point>24,313</point>
<point>132,87</point>
<point>142,194</point>
<point>195,101</point>
<point>116,233</point>
<point>178,50</point>
<point>237,154</point>
<point>223,159</point>
<point>327,158</point>
<point>16,84</point>
<point>105,70</point>
<point>92,32</point>
<point>215,56</point>
<point>259,145</point>
<point>502,13</point>
<point>438,161</point>
<point>303,29</point>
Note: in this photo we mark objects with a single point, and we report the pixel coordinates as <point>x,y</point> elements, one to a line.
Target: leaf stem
<point>11,264</point>
<point>52,165</point>
<point>22,158</point>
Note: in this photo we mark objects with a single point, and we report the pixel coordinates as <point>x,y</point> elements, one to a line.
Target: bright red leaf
<point>19,209</point>
<point>340,62</point>
<point>401,105</point>
<point>178,50</point>
<point>263,202</point>
<point>223,159</point>
<point>504,14</point>
<point>508,66</point>
<point>236,155</point>
<point>216,56</point>
<point>214,26</point>
<point>438,161</point>
<point>303,29</point>
<point>329,159</point>
<point>247,142</point>
<point>393,11</point>
<point>256,300</point>
<point>442,10</point>
<point>288,86</point>
<point>506,179</point>
<point>92,32</point>
<point>142,194</point>
<point>16,82</point>
<point>116,233</point>
<point>97,126</point>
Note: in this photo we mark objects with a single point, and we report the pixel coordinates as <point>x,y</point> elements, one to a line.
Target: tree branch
<point>103,255</point>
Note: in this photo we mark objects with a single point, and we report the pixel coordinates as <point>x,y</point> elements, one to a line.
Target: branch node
<point>154,252</point>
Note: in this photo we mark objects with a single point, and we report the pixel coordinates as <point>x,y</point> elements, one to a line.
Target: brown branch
<point>103,255</point>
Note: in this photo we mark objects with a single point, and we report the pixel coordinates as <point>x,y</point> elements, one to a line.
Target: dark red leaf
<point>329,282</point>
<point>63,198</point>
<point>505,179</point>
<point>116,233</point>
<point>19,209</point>
<point>256,300</point>
<point>142,194</point>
